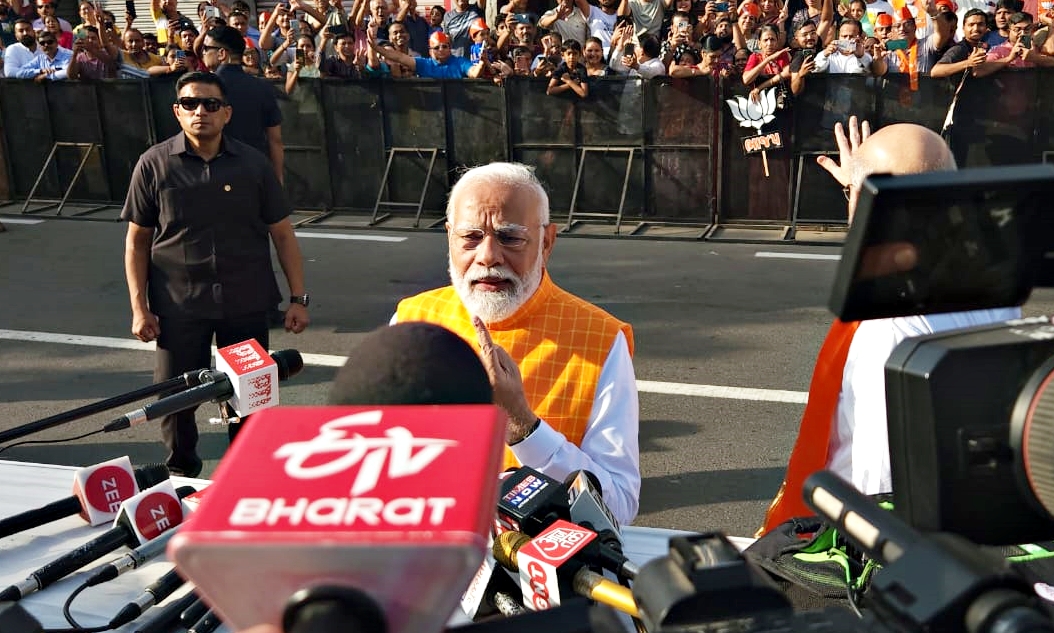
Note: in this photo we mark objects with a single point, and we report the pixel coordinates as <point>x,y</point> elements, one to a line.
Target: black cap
<point>412,363</point>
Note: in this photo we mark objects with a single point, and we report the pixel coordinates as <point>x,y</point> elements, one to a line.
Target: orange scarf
<point>911,63</point>
<point>559,341</point>
<point>817,424</point>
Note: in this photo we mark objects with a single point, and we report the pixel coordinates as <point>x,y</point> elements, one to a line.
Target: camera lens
<point>1032,437</point>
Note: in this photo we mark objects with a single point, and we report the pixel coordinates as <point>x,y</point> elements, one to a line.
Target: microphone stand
<point>187,380</point>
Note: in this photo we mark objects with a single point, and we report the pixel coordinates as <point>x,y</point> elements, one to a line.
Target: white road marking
<point>332,360</point>
<point>820,256</point>
<point>7,220</point>
<point>350,236</point>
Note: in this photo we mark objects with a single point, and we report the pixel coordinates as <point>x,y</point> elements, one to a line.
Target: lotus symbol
<point>754,114</point>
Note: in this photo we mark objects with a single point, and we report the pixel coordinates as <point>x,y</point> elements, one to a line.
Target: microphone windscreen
<point>150,475</point>
<point>412,363</point>
<point>289,362</point>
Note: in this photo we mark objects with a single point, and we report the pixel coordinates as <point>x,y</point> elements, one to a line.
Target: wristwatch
<point>303,299</point>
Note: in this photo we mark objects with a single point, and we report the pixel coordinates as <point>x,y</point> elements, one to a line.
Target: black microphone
<point>162,510</point>
<point>529,502</point>
<point>164,619</point>
<point>160,589</point>
<point>193,613</point>
<point>207,624</point>
<point>15,619</point>
<point>145,476</point>
<point>215,386</point>
<point>131,560</point>
<point>411,363</point>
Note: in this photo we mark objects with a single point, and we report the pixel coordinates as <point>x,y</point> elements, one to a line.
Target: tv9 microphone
<point>382,506</point>
<point>141,518</point>
<point>245,375</point>
<point>97,495</point>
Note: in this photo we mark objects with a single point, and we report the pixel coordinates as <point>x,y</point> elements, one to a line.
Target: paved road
<point>714,319</point>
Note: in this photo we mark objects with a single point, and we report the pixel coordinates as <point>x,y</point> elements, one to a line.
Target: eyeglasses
<point>512,239</point>
<point>440,47</point>
<point>46,42</point>
<point>190,104</point>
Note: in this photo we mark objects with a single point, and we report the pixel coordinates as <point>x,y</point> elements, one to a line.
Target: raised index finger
<point>485,341</point>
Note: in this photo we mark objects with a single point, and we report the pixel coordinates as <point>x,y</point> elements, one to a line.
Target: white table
<point>24,486</point>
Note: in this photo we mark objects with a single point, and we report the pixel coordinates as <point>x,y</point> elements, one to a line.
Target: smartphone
<point>629,49</point>
<point>896,45</point>
<point>721,7</point>
<point>808,54</point>
<point>80,35</point>
<point>1026,41</point>
<point>129,9</point>
<point>301,58</point>
<point>212,12</point>
<point>294,26</point>
<point>338,30</point>
<point>846,46</point>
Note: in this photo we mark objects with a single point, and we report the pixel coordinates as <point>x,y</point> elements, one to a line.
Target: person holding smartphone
<point>906,54</point>
<point>1017,51</point>
<point>305,63</point>
<point>845,55</point>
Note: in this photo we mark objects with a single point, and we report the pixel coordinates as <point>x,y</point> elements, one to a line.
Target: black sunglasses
<point>212,104</point>
<point>46,42</point>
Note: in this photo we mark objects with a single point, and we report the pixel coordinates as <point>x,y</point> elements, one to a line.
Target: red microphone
<point>320,514</point>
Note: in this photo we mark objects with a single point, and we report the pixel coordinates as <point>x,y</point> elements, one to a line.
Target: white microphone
<point>245,374</point>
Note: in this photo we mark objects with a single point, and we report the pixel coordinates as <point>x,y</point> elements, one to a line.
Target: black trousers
<point>184,345</point>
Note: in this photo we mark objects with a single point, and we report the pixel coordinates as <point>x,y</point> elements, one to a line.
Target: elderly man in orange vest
<point>843,428</point>
<point>561,367</point>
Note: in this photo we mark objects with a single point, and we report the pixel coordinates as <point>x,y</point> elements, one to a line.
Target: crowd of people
<point>764,43</point>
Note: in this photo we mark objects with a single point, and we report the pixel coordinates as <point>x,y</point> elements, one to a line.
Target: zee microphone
<point>142,517</point>
<point>550,557</point>
<point>98,493</point>
<point>244,375</point>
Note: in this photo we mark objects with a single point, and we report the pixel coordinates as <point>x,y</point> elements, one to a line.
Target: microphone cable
<point>58,441</point>
<point>69,602</point>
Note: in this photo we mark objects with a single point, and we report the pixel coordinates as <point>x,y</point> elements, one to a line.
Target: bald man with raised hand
<point>843,428</point>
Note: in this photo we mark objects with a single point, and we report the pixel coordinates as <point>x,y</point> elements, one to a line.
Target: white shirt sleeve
<point>610,448</point>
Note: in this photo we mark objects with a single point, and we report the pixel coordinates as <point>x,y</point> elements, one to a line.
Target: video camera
<point>970,417</point>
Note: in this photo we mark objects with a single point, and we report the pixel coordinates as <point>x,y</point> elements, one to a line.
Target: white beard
<point>494,306</point>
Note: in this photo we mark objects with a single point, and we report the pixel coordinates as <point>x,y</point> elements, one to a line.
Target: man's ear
<point>548,239</point>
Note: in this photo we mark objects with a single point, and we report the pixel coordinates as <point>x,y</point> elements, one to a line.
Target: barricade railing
<point>688,164</point>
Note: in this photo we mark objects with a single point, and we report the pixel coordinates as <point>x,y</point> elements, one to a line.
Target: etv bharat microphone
<point>364,518</point>
<point>98,491</point>
<point>246,377</point>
